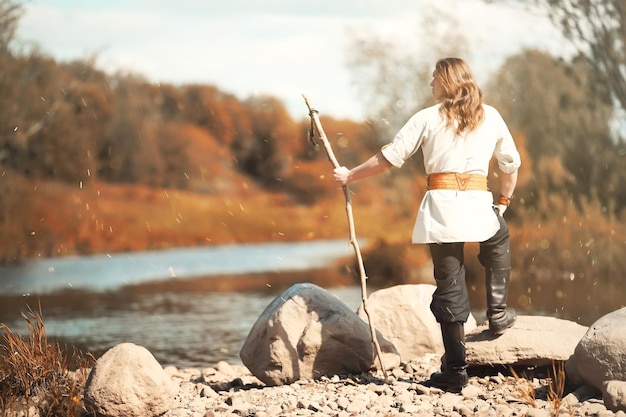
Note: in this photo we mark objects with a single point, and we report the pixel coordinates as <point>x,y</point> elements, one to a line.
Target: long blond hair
<point>463,99</point>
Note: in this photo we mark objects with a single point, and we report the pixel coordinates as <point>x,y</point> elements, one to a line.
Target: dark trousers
<point>450,300</point>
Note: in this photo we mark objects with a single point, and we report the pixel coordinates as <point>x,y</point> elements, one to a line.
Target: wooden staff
<point>346,192</point>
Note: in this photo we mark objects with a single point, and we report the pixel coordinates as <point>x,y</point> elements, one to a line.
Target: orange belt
<point>456,181</point>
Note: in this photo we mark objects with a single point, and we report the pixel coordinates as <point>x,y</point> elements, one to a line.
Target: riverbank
<point>230,390</point>
<point>103,218</point>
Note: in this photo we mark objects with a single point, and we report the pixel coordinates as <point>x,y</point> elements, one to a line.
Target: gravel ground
<point>230,390</point>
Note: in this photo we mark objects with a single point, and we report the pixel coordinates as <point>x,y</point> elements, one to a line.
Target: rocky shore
<point>310,355</point>
<point>230,390</point>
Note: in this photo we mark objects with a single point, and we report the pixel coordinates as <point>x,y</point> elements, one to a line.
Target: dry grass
<point>556,388</point>
<point>36,373</point>
<point>525,389</point>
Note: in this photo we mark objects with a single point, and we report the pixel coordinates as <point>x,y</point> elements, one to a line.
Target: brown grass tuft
<point>36,373</point>
<point>557,387</point>
<point>524,388</point>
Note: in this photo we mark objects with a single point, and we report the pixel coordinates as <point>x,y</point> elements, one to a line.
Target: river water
<point>96,302</point>
<point>192,307</point>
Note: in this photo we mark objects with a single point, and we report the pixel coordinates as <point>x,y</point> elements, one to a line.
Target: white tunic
<point>448,216</point>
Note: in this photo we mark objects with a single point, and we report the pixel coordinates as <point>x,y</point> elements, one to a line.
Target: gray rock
<point>307,333</point>
<point>533,340</point>
<point>581,395</point>
<point>601,354</point>
<point>614,395</point>
<point>402,314</point>
<point>127,381</point>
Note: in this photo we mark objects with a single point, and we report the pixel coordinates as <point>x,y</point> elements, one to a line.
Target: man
<point>458,137</point>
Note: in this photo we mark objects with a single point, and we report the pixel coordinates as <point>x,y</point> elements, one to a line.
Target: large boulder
<point>306,333</point>
<point>402,314</point>
<point>533,341</point>
<point>127,381</point>
<point>601,354</point>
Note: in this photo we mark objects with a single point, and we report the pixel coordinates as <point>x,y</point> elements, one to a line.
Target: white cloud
<point>278,47</point>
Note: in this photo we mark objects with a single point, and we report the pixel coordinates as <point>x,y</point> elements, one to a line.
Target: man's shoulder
<point>491,113</point>
<point>428,112</point>
<point>432,109</point>
<point>489,109</point>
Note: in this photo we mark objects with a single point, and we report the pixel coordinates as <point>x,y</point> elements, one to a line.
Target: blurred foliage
<point>567,132</point>
<point>596,28</point>
<point>93,162</point>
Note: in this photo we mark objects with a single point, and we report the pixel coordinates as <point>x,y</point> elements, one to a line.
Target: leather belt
<point>456,181</point>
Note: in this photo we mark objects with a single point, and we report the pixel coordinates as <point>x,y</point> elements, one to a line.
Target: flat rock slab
<point>533,341</point>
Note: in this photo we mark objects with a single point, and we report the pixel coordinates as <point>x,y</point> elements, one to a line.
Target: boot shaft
<point>453,335</point>
<point>453,376</point>
<point>497,283</point>
<point>500,316</point>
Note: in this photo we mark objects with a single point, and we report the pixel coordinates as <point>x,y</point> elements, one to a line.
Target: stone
<point>614,395</point>
<point>581,394</point>
<point>532,341</point>
<point>601,354</point>
<point>127,381</point>
<point>307,333</point>
<point>402,314</point>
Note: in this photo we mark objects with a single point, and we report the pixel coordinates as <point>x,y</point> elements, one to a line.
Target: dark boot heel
<point>450,380</point>
<point>499,324</point>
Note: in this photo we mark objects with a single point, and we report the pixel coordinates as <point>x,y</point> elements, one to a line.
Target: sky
<point>282,48</point>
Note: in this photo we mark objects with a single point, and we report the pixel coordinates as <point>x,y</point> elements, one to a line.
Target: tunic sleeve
<point>407,141</point>
<point>505,152</point>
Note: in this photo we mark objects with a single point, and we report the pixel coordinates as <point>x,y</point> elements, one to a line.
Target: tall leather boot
<point>499,315</point>
<point>453,376</point>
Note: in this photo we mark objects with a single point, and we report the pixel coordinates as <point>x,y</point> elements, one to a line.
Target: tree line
<point>72,123</point>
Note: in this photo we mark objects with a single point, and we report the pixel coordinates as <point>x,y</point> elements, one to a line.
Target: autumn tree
<point>597,28</point>
<point>14,188</point>
<point>567,129</point>
<point>139,145</point>
<point>10,14</point>
<point>265,148</point>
